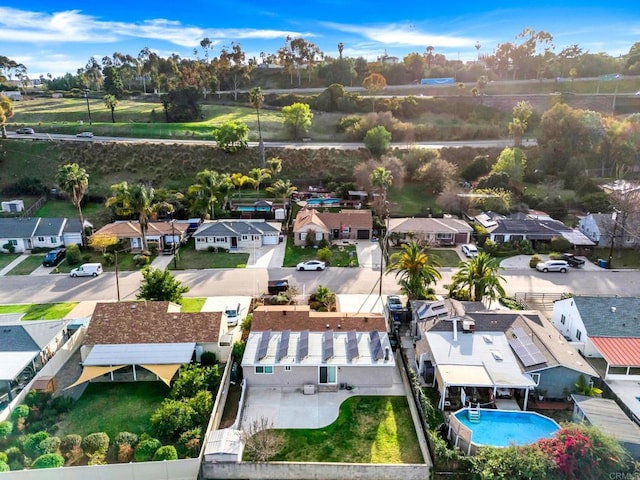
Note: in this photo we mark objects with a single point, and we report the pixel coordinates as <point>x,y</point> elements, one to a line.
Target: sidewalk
<point>12,265</point>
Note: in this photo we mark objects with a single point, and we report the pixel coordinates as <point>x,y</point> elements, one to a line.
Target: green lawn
<point>28,265</point>
<point>341,256</point>
<point>447,257</point>
<point>190,258</point>
<point>192,304</point>
<point>125,262</point>
<point>626,258</point>
<point>42,311</point>
<point>62,208</point>
<point>113,408</point>
<point>411,200</point>
<point>368,430</point>
<point>7,258</point>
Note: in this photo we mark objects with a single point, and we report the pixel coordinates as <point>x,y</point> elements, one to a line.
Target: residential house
<point>600,228</point>
<point>26,233</point>
<point>621,187</point>
<point>293,347</point>
<point>236,234</point>
<point>24,348</point>
<point>158,233</point>
<point>134,338</point>
<point>332,226</point>
<point>494,354</point>
<point>437,231</point>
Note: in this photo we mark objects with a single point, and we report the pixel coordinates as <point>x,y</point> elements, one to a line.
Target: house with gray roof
<point>27,233</point>
<point>236,234</point>
<point>598,227</point>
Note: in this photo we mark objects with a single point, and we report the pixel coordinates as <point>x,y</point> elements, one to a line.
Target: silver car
<point>553,266</point>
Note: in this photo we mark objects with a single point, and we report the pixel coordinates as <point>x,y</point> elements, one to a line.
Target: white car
<point>311,265</point>
<point>553,266</point>
<point>469,250</point>
<point>84,134</point>
<point>87,270</point>
<point>232,312</point>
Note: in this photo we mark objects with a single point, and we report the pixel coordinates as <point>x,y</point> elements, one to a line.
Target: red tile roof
<point>619,352</point>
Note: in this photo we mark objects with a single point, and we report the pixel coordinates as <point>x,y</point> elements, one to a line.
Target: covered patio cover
<point>13,363</point>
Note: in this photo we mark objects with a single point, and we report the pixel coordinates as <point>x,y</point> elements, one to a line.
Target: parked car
<point>572,260</point>
<point>311,265</point>
<point>232,313</point>
<point>84,134</point>
<point>553,266</point>
<point>394,303</point>
<point>469,250</point>
<point>274,287</point>
<point>87,270</point>
<point>54,257</point>
<point>25,131</point>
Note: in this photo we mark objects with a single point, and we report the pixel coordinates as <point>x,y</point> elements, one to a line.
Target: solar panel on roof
<point>352,345</point>
<point>525,349</point>
<point>264,344</point>
<point>327,345</point>
<point>283,347</point>
<point>375,345</point>
<point>303,345</point>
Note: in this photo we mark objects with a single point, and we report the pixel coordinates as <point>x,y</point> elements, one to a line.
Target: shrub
<point>141,260</point>
<point>6,428</point>
<point>126,438</point>
<point>73,255</point>
<point>49,445</point>
<point>377,140</point>
<point>189,442</point>
<point>62,404</point>
<point>533,261</point>
<point>95,443</point>
<point>125,453</point>
<point>555,255</point>
<point>3,457</point>
<point>173,417</point>
<point>208,358</point>
<point>15,458</point>
<point>4,467</point>
<point>31,443</point>
<point>202,404</point>
<point>324,254</point>
<point>560,244</point>
<point>70,447</point>
<point>525,247</point>
<point>9,247</point>
<point>48,460</point>
<point>168,452</point>
<point>146,448</point>
<point>108,258</point>
<point>191,380</point>
<point>21,411</point>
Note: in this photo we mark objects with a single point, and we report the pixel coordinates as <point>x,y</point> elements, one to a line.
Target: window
<point>563,319</point>
<point>256,237</point>
<point>53,240</point>
<point>13,242</point>
<point>444,236</point>
<point>287,368</point>
<point>536,378</point>
<point>578,334</point>
<point>244,237</point>
<point>319,236</point>
<point>220,240</point>
<point>41,239</point>
<point>200,240</point>
<point>264,369</point>
<point>328,375</point>
<point>303,235</point>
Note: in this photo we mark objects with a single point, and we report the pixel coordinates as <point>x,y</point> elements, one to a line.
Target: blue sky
<point>56,37</point>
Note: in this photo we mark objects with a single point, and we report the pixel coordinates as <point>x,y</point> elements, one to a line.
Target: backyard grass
<point>40,311</point>
<point>192,304</point>
<point>62,209</point>
<point>28,265</point>
<point>189,258</point>
<point>411,200</point>
<point>113,408</point>
<point>341,255</point>
<point>368,430</point>
<point>7,258</point>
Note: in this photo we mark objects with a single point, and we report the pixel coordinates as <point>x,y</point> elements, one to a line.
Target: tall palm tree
<point>477,278</point>
<point>256,97</point>
<point>257,176</point>
<point>74,180</point>
<point>274,166</point>
<point>416,268</point>
<point>207,188</point>
<point>135,200</point>
<point>381,179</point>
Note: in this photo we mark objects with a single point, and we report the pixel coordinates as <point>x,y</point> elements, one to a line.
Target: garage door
<point>270,239</point>
<point>363,234</point>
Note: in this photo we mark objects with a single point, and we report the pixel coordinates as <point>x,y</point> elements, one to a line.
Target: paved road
<point>58,288</point>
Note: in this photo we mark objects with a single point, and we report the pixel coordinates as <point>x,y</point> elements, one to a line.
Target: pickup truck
<point>274,287</point>
<point>572,260</point>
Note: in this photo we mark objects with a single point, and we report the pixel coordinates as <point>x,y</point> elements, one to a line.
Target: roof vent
<point>339,326</point>
<point>328,326</point>
<point>613,309</point>
<point>284,312</point>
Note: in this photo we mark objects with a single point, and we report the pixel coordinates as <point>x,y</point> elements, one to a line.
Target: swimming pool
<point>501,428</point>
<point>252,208</point>
<point>323,201</point>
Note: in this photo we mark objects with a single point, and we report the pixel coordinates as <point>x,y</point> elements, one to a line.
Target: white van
<point>87,270</point>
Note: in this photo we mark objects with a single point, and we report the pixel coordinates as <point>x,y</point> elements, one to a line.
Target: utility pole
<point>173,244</point>
<point>86,96</point>
<point>614,217</point>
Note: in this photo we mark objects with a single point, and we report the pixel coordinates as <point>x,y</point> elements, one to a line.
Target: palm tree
<point>274,166</point>
<point>477,278</point>
<point>257,176</point>
<point>416,269</point>
<point>74,180</point>
<point>381,179</point>
<point>111,102</point>
<point>135,200</point>
<point>207,188</point>
<point>256,97</point>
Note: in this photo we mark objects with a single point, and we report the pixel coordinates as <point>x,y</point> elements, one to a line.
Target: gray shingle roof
<point>14,338</point>
<point>48,227</point>
<point>18,227</point>
<point>610,316</point>
<point>234,228</point>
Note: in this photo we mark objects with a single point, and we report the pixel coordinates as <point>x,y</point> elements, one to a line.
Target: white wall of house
<point>20,244</point>
<point>47,242</point>
<point>300,236</point>
<point>567,320</point>
<point>589,227</point>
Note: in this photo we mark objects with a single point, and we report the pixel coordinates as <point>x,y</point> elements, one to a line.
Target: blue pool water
<point>251,208</point>
<point>500,428</point>
<point>323,201</point>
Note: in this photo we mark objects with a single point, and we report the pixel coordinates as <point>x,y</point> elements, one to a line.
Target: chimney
<point>455,329</point>
<point>386,354</point>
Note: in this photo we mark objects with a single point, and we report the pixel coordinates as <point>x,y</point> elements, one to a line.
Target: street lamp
<point>86,96</point>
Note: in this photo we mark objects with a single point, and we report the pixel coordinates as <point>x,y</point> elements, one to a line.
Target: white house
<point>598,227</point>
<point>13,206</point>
<point>26,233</point>
<point>236,234</point>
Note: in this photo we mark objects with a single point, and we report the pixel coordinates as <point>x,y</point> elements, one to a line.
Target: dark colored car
<point>572,260</point>
<point>53,257</point>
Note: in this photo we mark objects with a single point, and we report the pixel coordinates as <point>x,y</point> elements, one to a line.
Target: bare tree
<point>261,441</point>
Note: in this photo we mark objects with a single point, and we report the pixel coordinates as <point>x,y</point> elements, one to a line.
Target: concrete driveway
<point>520,262</point>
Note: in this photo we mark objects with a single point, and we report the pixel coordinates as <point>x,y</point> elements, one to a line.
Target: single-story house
<point>159,233</point>
<point>26,233</point>
<point>329,226</point>
<point>24,348</point>
<point>599,228</point>
<point>438,231</point>
<point>495,353</point>
<point>603,327</point>
<point>157,336</point>
<point>234,234</point>
<point>293,347</point>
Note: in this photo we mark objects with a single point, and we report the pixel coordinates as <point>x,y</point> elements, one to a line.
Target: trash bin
<point>603,263</point>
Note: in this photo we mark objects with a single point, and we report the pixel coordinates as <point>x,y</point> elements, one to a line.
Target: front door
<point>234,242</point>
